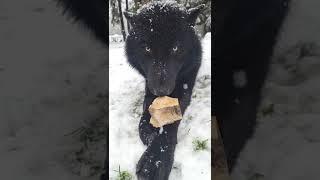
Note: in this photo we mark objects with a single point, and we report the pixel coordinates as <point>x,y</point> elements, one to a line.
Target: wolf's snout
<point>161,91</point>
<point>160,81</point>
<point>160,87</point>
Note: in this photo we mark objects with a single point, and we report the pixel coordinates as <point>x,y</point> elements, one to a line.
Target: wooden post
<point>220,167</point>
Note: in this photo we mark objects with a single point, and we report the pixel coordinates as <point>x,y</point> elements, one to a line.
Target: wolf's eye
<point>148,49</point>
<point>175,49</point>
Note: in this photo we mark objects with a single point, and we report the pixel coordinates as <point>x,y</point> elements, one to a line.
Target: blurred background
<point>52,88</point>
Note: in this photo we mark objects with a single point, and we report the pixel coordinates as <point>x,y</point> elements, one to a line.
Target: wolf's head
<point>162,44</point>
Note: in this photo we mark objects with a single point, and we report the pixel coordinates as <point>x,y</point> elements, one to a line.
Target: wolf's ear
<point>129,16</point>
<point>194,12</point>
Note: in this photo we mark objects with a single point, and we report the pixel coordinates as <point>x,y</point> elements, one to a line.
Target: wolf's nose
<point>161,92</point>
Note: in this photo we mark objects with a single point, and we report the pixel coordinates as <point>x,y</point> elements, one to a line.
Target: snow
<point>51,72</point>
<point>162,5</point>
<point>115,38</point>
<point>125,105</point>
<point>286,143</point>
<point>161,130</point>
<point>185,86</point>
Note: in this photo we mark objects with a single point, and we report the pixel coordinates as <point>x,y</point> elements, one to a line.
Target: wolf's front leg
<point>156,162</point>
<point>147,132</point>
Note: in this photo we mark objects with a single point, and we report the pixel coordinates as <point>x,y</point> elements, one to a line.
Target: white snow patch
<point>163,5</point>
<point>185,86</point>
<point>161,130</point>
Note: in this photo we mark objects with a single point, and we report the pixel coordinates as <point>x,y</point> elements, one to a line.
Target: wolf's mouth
<point>162,91</point>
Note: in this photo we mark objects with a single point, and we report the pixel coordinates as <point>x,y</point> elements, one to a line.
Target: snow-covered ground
<point>125,104</point>
<point>287,140</point>
<point>50,75</point>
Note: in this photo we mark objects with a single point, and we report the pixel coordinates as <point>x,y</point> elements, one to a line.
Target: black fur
<point>164,48</point>
<point>91,13</point>
<point>245,34</point>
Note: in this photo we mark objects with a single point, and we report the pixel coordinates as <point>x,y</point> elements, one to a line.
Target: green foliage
<point>199,145</point>
<point>124,175</point>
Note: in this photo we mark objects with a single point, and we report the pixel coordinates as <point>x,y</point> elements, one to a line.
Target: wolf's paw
<point>156,162</point>
<point>147,132</point>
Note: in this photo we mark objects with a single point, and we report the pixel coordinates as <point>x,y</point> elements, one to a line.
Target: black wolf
<point>245,34</point>
<point>163,46</point>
